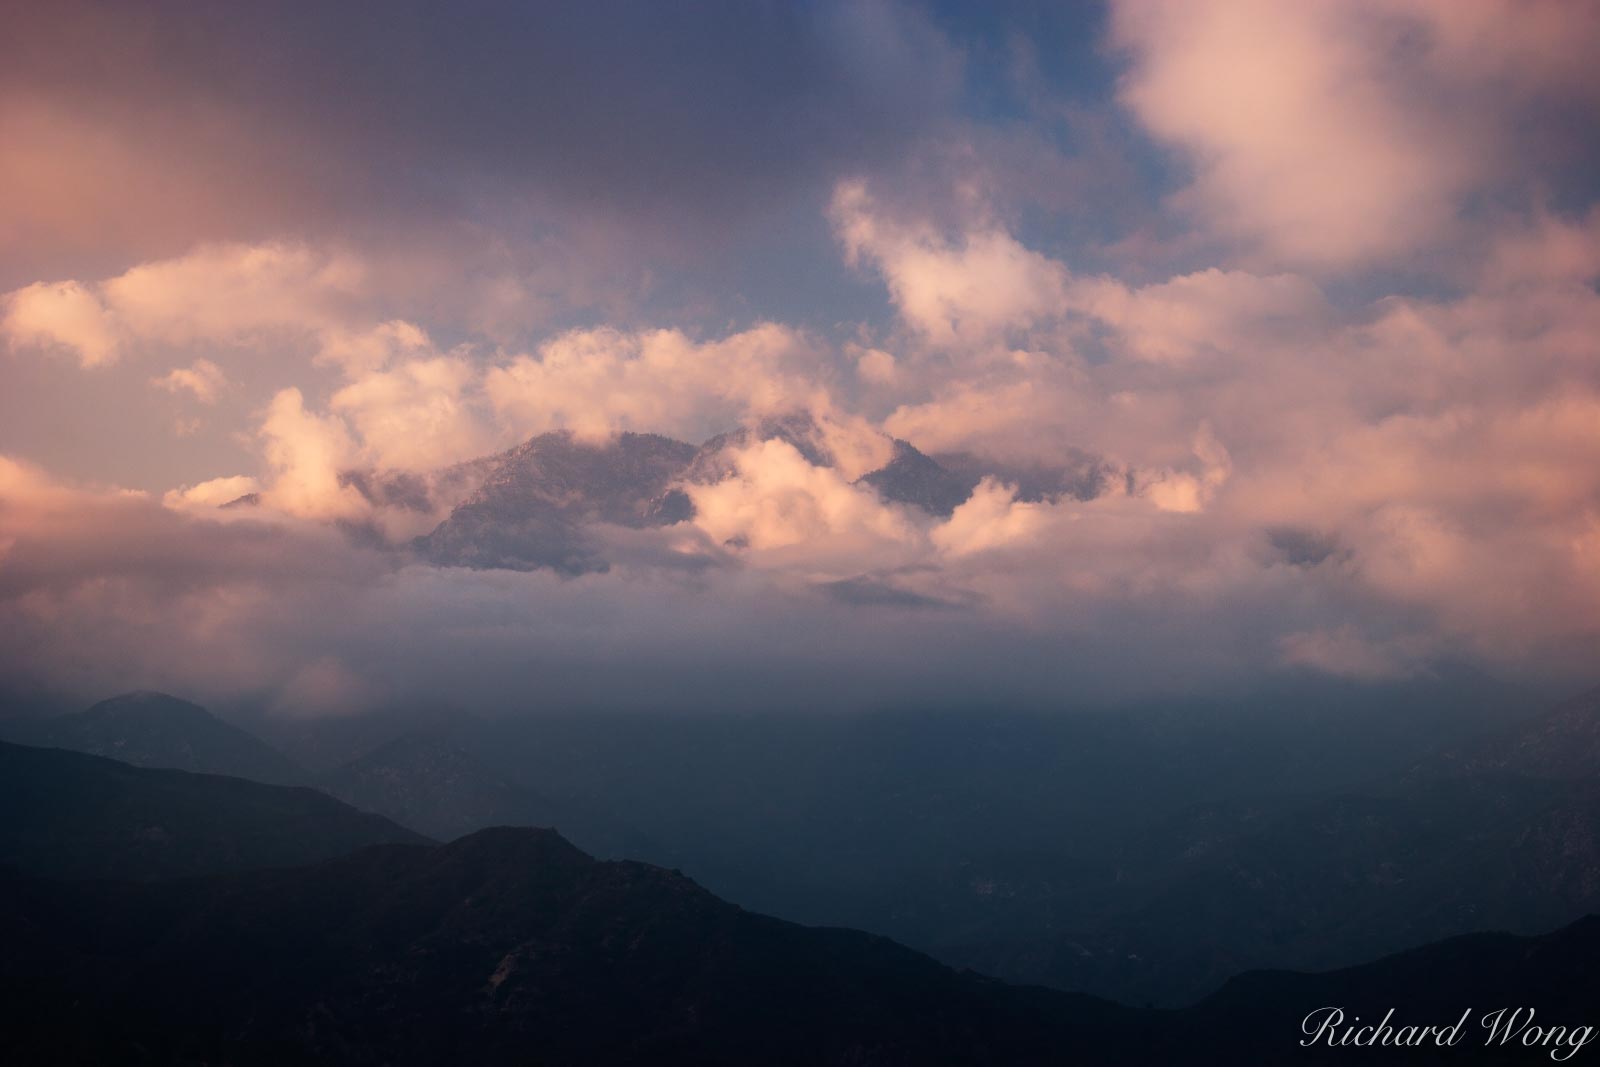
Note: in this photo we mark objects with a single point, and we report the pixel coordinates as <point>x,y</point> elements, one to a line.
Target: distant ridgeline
<point>164,916</point>
<point>512,946</point>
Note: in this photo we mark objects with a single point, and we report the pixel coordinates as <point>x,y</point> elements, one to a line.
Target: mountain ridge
<point>152,729</point>
<point>534,502</point>
<point>85,816</point>
<point>514,946</point>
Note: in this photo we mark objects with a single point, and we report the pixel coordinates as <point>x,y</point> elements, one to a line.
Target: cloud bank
<point>1329,407</point>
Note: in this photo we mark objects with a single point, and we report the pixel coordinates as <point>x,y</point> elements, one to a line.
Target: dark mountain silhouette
<point>507,946</point>
<point>72,815</point>
<point>156,730</point>
<point>911,477</point>
<point>1077,475</point>
<point>1145,857</point>
<point>1258,1016</point>
<point>1502,834</point>
<point>512,946</point>
<point>426,782</point>
<point>1182,906</point>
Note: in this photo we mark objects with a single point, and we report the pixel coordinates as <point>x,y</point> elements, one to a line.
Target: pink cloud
<point>1333,134</point>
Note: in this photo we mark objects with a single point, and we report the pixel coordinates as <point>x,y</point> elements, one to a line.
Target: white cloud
<point>207,497</point>
<point>1210,311</point>
<point>305,453</point>
<point>62,315</point>
<point>202,379</point>
<point>1332,133</point>
<point>362,351</point>
<point>417,415</point>
<point>216,295</point>
<point>1186,492</point>
<point>991,518</point>
<point>788,512</point>
<point>981,287</point>
<point>599,382</point>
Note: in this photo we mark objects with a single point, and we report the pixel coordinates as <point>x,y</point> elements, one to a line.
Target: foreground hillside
<point>507,946</point>
<point>512,947</point>
<point>1142,858</point>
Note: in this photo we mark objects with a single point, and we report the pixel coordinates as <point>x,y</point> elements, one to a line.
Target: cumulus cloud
<point>1188,492</point>
<point>306,452</point>
<point>600,382</point>
<point>213,295</point>
<point>208,498</point>
<point>990,518</point>
<point>1227,444</point>
<point>62,315</point>
<point>1210,311</point>
<point>1331,134</point>
<point>781,507</point>
<point>418,414</point>
<point>292,618</point>
<point>361,351</point>
<point>979,287</point>
<point>201,379</point>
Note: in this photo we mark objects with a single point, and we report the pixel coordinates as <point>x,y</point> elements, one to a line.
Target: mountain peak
<point>515,846</point>
<point>153,729</point>
<point>144,697</point>
<point>913,477</point>
<point>150,705</point>
<point>537,499</point>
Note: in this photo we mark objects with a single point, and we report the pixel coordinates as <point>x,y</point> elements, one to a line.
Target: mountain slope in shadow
<point>1502,835</point>
<point>512,946</point>
<point>425,781</point>
<point>80,816</point>
<point>157,730</point>
<point>506,946</point>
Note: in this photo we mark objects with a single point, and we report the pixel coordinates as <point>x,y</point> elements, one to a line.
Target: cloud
<point>419,414</point>
<point>175,126</point>
<point>359,351</point>
<point>1330,134</point>
<point>324,687</point>
<point>1184,492</point>
<point>202,379</point>
<point>292,618</point>
<point>305,453</point>
<point>62,315</point>
<point>600,382</point>
<point>784,510</point>
<point>208,497</point>
<point>214,295</point>
<point>1332,408</point>
<point>980,287</point>
<point>992,517</point>
<point>1348,654</point>
<point>1209,311</point>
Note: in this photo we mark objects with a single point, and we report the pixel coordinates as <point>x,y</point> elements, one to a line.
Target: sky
<point>1313,286</point>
